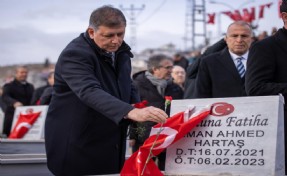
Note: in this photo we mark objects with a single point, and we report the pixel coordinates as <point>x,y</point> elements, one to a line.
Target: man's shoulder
<point>211,57</point>
<point>77,47</point>
<point>78,43</point>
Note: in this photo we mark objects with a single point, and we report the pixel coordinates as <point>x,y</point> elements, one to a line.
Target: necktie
<point>240,67</point>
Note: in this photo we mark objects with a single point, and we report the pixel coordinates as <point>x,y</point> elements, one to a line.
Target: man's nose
<point>239,38</point>
<point>115,39</point>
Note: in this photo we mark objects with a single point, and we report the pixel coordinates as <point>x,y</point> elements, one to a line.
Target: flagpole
<point>167,102</point>
<point>150,151</point>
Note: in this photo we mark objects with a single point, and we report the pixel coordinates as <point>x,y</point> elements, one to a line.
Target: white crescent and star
<point>170,132</point>
<point>23,124</point>
<point>214,109</point>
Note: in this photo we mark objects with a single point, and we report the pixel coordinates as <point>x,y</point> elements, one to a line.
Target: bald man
<point>222,74</point>
<point>178,75</point>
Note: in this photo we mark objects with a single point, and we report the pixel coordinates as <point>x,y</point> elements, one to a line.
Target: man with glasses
<point>222,74</point>
<point>267,63</point>
<point>153,85</point>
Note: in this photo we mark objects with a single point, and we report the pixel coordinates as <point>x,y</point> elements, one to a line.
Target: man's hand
<point>148,114</point>
<point>17,104</point>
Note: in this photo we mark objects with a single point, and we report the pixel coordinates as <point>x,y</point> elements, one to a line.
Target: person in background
<point>262,35</point>
<point>267,63</point>
<point>153,85</point>
<point>47,93</point>
<point>39,91</point>
<point>273,31</point>
<point>2,104</point>
<point>16,93</point>
<point>192,70</point>
<point>2,110</point>
<point>222,74</point>
<point>180,60</point>
<point>178,76</point>
<point>91,107</point>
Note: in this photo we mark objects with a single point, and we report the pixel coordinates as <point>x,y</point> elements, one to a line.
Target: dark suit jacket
<point>267,66</point>
<point>85,129</point>
<point>37,94</point>
<point>218,77</point>
<point>192,69</point>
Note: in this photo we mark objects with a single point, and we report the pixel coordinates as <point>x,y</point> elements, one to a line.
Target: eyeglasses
<point>167,67</point>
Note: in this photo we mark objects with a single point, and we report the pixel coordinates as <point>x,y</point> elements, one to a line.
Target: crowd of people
<point>91,91</point>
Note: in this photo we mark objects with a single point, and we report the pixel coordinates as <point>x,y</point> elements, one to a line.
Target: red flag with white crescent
<point>23,124</point>
<point>173,130</point>
<point>211,18</point>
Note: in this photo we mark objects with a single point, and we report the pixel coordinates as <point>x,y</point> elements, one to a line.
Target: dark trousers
<point>8,120</point>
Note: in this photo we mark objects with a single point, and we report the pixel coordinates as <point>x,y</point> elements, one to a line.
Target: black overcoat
<point>85,129</point>
<point>218,77</point>
<point>267,70</point>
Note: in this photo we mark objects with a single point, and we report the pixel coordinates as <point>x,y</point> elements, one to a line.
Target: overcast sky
<point>32,30</point>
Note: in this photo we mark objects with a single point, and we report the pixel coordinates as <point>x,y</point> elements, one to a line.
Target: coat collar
<point>123,48</point>
<point>227,62</point>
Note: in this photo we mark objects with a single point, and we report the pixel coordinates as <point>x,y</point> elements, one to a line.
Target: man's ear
<point>225,38</point>
<point>91,32</point>
<point>154,69</point>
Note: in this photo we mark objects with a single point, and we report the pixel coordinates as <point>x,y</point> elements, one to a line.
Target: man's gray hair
<point>240,23</point>
<point>155,61</point>
<point>107,16</point>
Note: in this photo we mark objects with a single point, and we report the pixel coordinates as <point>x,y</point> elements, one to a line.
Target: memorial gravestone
<point>243,136</point>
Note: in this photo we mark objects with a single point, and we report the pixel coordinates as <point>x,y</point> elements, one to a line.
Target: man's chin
<point>113,49</point>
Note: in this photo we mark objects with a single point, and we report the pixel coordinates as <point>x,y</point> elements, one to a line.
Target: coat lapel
<point>227,62</point>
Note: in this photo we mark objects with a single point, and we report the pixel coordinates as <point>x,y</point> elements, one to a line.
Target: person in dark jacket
<point>90,110</point>
<point>222,74</point>
<point>39,91</point>
<point>267,63</point>
<point>192,70</point>
<point>153,85</point>
<point>180,60</point>
<point>16,93</point>
<point>46,96</point>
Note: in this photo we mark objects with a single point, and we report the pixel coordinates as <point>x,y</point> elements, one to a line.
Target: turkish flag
<point>23,124</point>
<point>228,13</point>
<point>262,7</point>
<point>211,18</point>
<point>236,16</point>
<point>248,16</point>
<point>170,132</point>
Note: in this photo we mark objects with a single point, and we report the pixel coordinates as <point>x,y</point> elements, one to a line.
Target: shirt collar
<point>235,56</point>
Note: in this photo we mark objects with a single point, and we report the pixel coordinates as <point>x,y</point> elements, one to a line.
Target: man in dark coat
<point>153,85</point>
<point>88,116</point>
<point>192,69</point>
<point>218,75</point>
<point>180,60</point>
<point>267,63</point>
<point>39,91</point>
<point>16,93</point>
